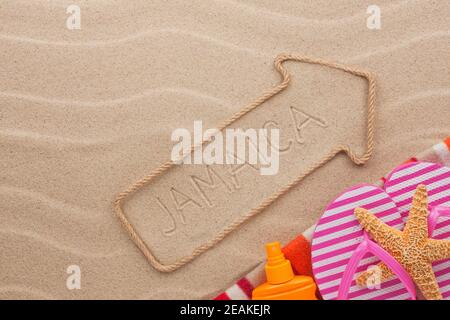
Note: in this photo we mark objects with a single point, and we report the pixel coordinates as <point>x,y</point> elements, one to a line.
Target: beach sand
<point>86,113</point>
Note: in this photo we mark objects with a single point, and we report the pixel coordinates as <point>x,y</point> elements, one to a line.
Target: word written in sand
<point>260,192</point>
<point>225,178</point>
<point>235,147</point>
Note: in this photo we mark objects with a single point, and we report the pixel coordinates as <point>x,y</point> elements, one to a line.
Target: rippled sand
<point>84,113</point>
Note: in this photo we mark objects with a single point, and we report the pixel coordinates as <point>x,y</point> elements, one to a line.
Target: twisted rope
<point>286,78</point>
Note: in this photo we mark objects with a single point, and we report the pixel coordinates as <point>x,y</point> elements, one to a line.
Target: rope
<point>357,159</point>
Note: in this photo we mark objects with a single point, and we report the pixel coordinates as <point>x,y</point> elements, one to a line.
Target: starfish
<point>412,247</point>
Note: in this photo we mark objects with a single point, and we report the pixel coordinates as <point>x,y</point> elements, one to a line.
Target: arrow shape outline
<point>267,95</point>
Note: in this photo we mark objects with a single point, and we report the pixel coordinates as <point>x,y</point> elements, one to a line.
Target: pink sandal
<point>368,245</point>
<point>339,243</point>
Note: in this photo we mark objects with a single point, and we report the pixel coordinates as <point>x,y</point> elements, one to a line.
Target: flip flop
<point>338,235</point>
<point>400,185</point>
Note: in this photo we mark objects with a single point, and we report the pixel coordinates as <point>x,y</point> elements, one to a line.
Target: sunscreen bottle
<point>281,283</point>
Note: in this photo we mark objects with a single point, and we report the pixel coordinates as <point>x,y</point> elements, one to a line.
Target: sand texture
<point>85,113</point>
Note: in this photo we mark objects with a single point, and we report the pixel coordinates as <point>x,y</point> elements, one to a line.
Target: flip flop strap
<point>435,214</point>
<point>367,245</point>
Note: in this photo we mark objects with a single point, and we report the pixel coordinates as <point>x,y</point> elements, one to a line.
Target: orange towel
<point>298,251</point>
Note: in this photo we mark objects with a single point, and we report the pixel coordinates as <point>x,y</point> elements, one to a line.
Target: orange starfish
<point>411,247</point>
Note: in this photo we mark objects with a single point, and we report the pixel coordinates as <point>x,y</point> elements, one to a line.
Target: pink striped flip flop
<point>400,185</point>
<point>338,234</point>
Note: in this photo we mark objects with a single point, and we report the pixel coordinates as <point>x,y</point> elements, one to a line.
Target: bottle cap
<point>278,268</point>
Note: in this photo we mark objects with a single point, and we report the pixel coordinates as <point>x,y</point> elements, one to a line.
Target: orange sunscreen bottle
<point>281,283</point>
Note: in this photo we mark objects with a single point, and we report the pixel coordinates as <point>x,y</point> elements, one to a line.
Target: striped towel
<point>242,289</point>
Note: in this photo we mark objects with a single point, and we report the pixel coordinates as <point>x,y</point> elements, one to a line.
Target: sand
<point>85,113</point>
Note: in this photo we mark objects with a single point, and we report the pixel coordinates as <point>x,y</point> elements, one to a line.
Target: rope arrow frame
<point>286,78</point>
